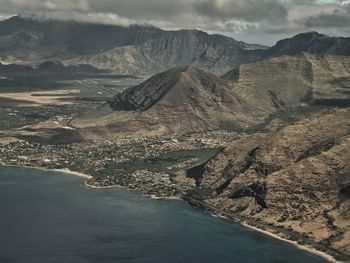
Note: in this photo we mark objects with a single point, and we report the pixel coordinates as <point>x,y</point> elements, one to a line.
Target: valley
<point>254,134</point>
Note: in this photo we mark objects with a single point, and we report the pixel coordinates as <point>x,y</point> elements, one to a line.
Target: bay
<point>49,217</point>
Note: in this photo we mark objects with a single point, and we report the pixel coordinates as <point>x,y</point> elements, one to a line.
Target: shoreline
<point>151,197</point>
<point>303,247</point>
<point>64,170</point>
<point>89,186</point>
<point>67,171</point>
<point>276,236</point>
<point>206,209</point>
<point>309,248</point>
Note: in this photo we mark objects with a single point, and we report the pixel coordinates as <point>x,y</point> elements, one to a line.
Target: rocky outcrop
<point>297,179</point>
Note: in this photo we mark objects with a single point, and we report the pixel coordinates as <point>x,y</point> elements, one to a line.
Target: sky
<point>254,21</point>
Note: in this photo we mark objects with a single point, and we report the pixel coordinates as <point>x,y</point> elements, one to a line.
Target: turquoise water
<point>48,217</point>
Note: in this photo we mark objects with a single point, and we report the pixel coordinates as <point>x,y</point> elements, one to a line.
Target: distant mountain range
<point>144,49</point>
<point>123,49</point>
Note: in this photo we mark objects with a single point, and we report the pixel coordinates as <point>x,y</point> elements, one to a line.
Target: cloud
<point>339,17</point>
<point>98,18</point>
<point>143,9</point>
<point>20,6</point>
<point>264,18</point>
<point>247,10</point>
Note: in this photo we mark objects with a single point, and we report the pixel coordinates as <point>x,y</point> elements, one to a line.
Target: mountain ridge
<point>144,50</point>
<point>79,43</point>
<point>293,182</point>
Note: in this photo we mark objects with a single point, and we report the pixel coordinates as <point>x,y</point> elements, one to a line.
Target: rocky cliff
<point>292,81</point>
<point>296,179</point>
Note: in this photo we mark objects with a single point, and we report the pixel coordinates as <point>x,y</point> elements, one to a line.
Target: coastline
<point>218,214</point>
<point>303,247</point>
<point>152,197</point>
<point>65,170</point>
<point>204,208</point>
<point>89,186</point>
<point>166,198</point>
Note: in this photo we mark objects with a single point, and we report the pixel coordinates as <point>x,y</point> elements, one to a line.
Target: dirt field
<point>38,98</point>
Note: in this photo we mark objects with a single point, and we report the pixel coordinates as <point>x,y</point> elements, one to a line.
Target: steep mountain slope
<point>291,81</point>
<point>148,48</point>
<point>215,53</point>
<point>183,99</point>
<point>295,181</point>
<point>168,49</point>
<point>144,49</point>
<point>124,60</point>
<point>179,48</point>
<point>26,38</point>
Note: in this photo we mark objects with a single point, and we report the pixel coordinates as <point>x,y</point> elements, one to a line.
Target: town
<point>143,164</point>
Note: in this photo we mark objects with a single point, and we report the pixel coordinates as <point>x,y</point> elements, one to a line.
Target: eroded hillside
<point>297,178</point>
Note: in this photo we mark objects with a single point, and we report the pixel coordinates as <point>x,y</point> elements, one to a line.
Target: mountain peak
<point>310,33</point>
<point>185,98</point>
<point>147,94</point>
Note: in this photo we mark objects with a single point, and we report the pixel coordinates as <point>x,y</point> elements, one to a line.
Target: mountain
<point>312,42</point>
<point>183,99</point>
<point>169,49</point>
<point>26,38</point>
<point>149,49</point>
<point>294,181</point>
<point>124,60</point>
<point>293,80</point>
<point>144,49</point>
<point>215,53</point>
<point>187,99</point>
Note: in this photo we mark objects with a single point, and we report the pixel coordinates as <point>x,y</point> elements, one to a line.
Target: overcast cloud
<point>261,21</point>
